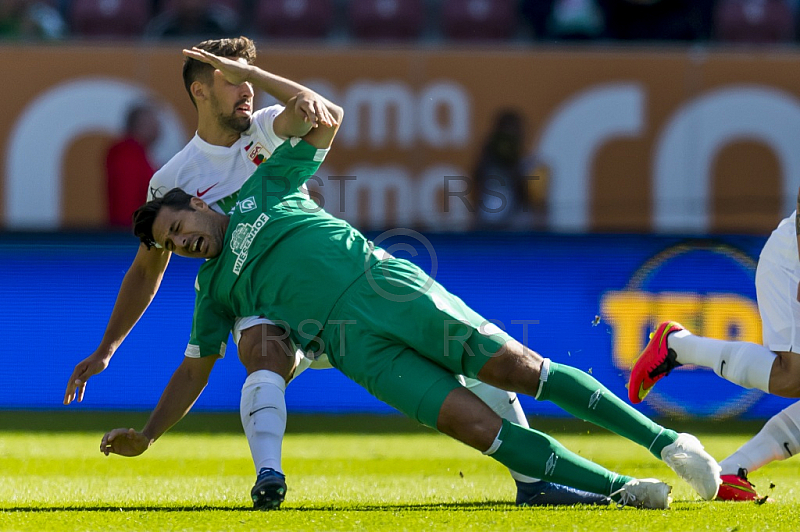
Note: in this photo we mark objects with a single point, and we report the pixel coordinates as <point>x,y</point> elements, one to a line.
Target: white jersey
<point>781,246</point>
<point>216,173</point>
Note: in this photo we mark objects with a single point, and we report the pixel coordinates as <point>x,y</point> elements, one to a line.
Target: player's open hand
<point>235,72</point>
<point>311,107</point>
<point>124,442</point>
<point>88,367</point>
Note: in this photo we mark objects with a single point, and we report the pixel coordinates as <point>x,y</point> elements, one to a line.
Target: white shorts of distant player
<point>777,276</point>
<point>303,360</point>
<point>776,290</point>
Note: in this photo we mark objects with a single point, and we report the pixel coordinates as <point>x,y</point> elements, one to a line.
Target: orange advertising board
<point>678,140</point>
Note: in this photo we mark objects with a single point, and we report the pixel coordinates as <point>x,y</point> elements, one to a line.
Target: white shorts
<point>302,361</point>
<point>193,351</point>
<point>242,324</point>
<point>497,399</point>
<point>776,290</point>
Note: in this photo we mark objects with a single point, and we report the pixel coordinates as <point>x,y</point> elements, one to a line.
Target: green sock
<point>584,397</point>
<point>536,454</point>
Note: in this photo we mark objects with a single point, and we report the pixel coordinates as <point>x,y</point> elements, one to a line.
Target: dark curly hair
<point>194,70</point>
<point>145,215</point>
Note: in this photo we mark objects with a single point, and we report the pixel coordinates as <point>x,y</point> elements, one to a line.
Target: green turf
<point>414,480</point>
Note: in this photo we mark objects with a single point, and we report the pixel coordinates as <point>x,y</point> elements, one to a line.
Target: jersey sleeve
<point>159,185</point>
<point>210,326</point>
<point>264,120</point>
<point>295,161</point>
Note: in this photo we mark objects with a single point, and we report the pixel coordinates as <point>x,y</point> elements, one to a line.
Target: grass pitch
<point>392,476</point>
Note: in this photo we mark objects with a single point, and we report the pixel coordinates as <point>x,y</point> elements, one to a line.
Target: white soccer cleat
<point>688,459</point>
<point>644,493</point>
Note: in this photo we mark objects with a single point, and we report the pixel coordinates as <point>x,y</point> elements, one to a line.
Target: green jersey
<point>284,258</point>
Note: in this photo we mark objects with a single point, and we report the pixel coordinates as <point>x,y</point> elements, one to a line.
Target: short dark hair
<point>193,70</point>
<point>145,215</point>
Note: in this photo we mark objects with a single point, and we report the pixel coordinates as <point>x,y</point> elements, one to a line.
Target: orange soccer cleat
<point>655,362</point>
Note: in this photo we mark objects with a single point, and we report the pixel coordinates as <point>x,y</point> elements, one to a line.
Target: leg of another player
<point>468,419</point>
<point>779,439</point>
<point>744,363</point>
<point>770,369</point>
<point>748,364</point>
<point>516,368</point>
<point>784,378</point>
<point>268,356</point>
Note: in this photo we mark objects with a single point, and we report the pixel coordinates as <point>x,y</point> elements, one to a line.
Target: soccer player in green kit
<point>388,326</point>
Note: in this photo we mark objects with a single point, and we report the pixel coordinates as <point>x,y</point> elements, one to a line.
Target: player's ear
<point>199,91</point>
<point>198,204</point>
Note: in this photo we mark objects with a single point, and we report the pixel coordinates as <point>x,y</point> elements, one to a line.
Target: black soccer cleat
<point>269,491</point>
<point>545,493</point>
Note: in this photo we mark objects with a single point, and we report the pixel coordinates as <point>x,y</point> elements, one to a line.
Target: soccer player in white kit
<point>231,141</point>
<point>773,367</point>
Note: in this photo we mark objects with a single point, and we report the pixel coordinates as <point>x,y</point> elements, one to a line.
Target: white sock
<point>506,405</point>
<point>778,440</point>
<point>263,412</point>
<point>743,363</point>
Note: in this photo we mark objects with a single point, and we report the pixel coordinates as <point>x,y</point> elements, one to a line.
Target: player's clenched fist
<point>124,442</point>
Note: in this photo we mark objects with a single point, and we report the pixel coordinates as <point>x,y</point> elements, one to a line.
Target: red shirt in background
<point>128,174</point>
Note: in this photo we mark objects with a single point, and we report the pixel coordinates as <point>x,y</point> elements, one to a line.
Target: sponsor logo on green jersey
<point>242,238</point>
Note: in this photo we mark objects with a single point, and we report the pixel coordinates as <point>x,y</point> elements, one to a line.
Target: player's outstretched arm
<point>309,110</point>
<point>138,288</point>
<point>181,392</point>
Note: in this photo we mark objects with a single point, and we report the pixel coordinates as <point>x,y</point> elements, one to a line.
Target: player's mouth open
<point>244,108</point>
<point>197,246</point>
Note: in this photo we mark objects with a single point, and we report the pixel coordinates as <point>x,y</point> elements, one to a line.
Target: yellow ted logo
<point>710,289</point>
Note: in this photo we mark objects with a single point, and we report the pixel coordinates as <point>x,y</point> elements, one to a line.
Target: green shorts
<point>402,336</point>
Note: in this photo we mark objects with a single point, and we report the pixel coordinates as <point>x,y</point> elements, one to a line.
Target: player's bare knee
<point>784,380</point>
<point>514,368</point>
<point>266,347</point>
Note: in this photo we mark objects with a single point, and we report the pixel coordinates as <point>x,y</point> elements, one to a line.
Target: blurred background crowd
<point>518,96</point>
<point>520,21</point>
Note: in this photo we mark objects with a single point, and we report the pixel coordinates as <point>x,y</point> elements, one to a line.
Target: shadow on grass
<point>422,507</point>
